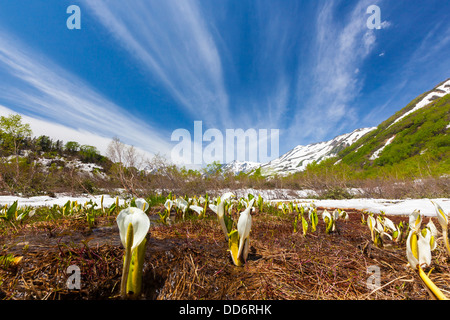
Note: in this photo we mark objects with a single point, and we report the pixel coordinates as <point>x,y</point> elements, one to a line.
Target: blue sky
<point>139,70</point>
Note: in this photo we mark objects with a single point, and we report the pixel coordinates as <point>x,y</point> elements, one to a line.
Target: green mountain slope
<point>410,144</point>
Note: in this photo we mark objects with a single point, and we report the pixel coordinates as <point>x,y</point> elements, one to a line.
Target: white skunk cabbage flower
<point>227,196</point>
<point>133,226</point>
<point>197,209</point>
<point>418,250</point>
<point>221,212</point>
<point>380,229</point>
<point>213,208</point>
<point>141,204</point>
<point>181,204</point>
<point>335,214</point>
<point>343,214</point>
<point>389,224</point>
<point>441,215</point>
<point>326,214</point>
<point>244,226</point>
<point>168,204</point>
<point>443,221</point>
<point>431,228</point>
<point>140,222</point>
<point>201,200</point>
<point>329,221</point>
<point>396,232</point>
<point>371,223</point>
<point>415,220</point>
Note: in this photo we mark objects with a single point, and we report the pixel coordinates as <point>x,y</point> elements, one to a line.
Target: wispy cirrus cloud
<point>309,68</point>
<point>44,91</point>
<point>422,69</point>
<point>332,81</point>
<point>172,42</point>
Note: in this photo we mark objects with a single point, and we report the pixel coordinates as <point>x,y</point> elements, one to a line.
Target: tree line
<point>20,152</point>
<point>41,165</point>
<point>122,170</point>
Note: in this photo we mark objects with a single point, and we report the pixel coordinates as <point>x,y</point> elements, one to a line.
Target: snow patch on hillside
<point>377,153</point>
<point>439,92</point>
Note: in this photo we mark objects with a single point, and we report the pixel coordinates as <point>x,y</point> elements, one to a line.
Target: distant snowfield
<point>389,206</point>
<point>60,199</point>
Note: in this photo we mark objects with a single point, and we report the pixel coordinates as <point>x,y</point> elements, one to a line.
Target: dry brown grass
<point>189,260</point>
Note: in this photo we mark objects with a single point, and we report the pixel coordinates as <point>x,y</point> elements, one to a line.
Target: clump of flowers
<point>418,251</point>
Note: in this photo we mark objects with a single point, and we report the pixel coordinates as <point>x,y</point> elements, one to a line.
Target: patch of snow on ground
<point>389,206</point>
<point>60,199</point>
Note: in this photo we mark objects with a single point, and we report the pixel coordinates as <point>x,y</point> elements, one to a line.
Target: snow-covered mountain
<point>438,92</point>
<point>418,130</point>
<point>237,167</point>
<point>298,158</point>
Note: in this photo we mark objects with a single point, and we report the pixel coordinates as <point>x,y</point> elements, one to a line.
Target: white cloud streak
<point>172,42</point>
<point>334,80</point>
<point>57,96</point>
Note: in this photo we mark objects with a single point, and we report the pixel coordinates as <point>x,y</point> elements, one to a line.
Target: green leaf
<point>11,212</point>
<point>260,202</point>
<point>329,224</point>
<point>233,245</point>
<point>395,234</point>
<point>296,224</point>
<point>134,283</point>
<point>112,208</point>
<point>291,207</point>
<point>314,220</point>
<point>228,221</point>
<point>304,225</point>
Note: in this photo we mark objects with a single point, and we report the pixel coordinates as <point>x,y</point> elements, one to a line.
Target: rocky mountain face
<point>298,158</point>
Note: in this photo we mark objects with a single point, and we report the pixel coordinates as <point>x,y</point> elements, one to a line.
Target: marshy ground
<point>189,260</point>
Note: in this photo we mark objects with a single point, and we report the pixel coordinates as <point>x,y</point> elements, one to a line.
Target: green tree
<point>59,146</point>
<point>89,153</point>
<point>72,146</point>
<point>14,132</point>
<point>45,143</point>
<point>213,169</point>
